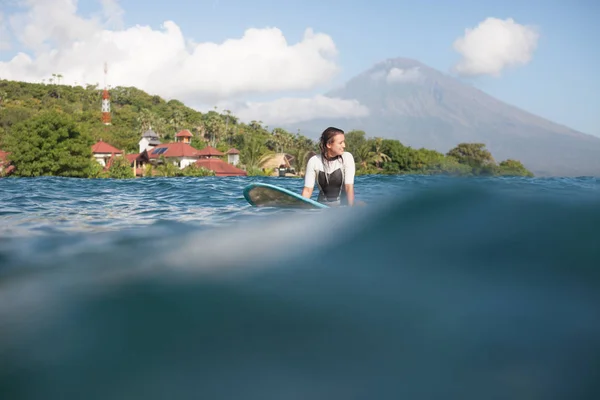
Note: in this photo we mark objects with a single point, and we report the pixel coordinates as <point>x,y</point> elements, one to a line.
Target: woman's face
<point>337,145</point>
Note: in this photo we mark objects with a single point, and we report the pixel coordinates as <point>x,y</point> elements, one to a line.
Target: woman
<point>333,171</point>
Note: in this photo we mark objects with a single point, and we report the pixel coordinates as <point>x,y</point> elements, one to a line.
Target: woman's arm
<point>307,192</point>
<point>309,178</point>
<point>350,194</point>
<point>349,177</point>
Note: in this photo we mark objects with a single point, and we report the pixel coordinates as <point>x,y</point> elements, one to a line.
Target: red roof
<point>220,167</point>
<point>178,149</point>
<point>143,156</point>
<point>3,155</point>
<point>209,151</point>
<point>109,162</point>
<point>103,147</point>
<point>184,133</point>
<point>233,151</point>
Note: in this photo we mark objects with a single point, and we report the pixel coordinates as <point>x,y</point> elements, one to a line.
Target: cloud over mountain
<point>438,111</point>
<point>495,45</point>
<point>289,110</point>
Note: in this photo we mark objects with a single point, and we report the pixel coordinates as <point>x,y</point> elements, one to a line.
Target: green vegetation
<point>49,143</point>
<point>49,129</point>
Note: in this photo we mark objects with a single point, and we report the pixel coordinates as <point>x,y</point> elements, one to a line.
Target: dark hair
<point>327,137</point>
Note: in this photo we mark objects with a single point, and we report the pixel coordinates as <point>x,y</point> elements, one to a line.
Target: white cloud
<point>164,61</point>
<point>398,75</point>
<point>290,110</point>
<point>494,45</point>
<point>50,24</point>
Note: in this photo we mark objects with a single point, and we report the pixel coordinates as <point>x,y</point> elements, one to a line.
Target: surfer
<point>332,170</point>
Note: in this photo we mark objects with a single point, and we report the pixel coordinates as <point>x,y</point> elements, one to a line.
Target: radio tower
<point>105,100</point>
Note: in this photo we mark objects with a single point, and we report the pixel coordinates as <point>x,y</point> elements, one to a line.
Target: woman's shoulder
<point>347,156</point>
<point>314,160</point>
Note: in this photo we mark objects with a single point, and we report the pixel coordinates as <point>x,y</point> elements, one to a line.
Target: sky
<point>262,59</point>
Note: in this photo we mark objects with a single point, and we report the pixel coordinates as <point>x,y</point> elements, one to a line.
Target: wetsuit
<point>330,176</point>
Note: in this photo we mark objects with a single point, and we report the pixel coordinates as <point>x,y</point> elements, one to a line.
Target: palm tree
<point>378,155</point>
<point>177,119</point>
<point>254,153</point>
<point>300,159</point>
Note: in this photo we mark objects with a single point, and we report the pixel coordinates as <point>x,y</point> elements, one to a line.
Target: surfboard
<point>267,195</point>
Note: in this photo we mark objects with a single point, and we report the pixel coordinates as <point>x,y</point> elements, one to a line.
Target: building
<point>220,167</point>
<point>184,136</point>
<point>210,158</point>
<point>149,140</point>
<point>209,152</point>
<point>138,162</point>
<point>280,163</point>
<point>233,156</point>
<point>182,154</point>
<point>103,152</point>
<point>179,153</point>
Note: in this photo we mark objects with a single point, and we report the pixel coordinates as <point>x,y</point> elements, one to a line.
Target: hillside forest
<point>48,130</point>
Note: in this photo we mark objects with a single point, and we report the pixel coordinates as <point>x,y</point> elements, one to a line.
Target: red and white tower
<point>105,100</point>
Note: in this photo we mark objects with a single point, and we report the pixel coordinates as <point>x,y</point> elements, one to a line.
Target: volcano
<point>423,107</point>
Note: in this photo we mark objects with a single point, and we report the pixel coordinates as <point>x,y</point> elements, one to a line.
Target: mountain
<point>423,107</point>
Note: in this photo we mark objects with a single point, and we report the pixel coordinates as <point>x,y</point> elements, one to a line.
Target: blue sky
<point>560,82</point>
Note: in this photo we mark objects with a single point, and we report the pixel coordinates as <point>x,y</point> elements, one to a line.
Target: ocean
<point>436,288</point>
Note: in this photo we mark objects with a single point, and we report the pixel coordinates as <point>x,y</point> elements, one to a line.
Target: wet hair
<point>326,138</point>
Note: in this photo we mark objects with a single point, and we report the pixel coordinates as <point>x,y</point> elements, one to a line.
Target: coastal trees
<point>49,143</point>
<point>481,162</point>
<point>120,169</point>
<point>475,155</point>
<point>134,111</point>
<point>513,168</point>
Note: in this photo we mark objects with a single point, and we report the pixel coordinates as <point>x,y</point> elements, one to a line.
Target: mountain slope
<point>423,107</point>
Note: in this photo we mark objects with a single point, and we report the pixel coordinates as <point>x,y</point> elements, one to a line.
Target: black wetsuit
<point>331,186</point>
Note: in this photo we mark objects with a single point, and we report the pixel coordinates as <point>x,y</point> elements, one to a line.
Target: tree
<point>195,170</point>
<point>215,127</point>
<point>379,155</point>
<point>135,111</point>
<point>120,169</point>
<point>50,143</point>
<point>253,151</point>
<point>513,168</point>
<point>354,140</point>
<point>474,155</point>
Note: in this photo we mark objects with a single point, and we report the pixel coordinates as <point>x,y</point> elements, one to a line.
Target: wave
<point>452,290</point>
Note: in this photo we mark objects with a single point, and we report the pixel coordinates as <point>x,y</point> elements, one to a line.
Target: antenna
<point>105,100</point>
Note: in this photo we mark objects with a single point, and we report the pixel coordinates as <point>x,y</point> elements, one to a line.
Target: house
<point>233,156</point>
<point>104,152</point>
<point>220,167</point>
<point>209,158</point>
<point>138,162</point>
<point>182,154</point>
<point>179,153</point>
<point>281,163</point>
<point>184,136</point>
<point>149,140</point>
<point>209,152</point>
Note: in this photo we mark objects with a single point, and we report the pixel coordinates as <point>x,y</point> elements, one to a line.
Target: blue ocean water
<point>437,288</point>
